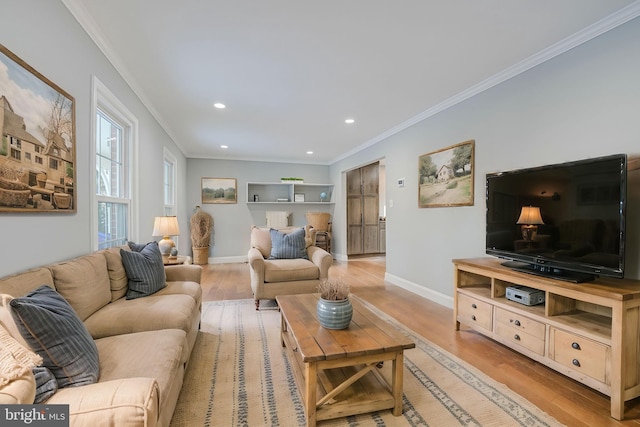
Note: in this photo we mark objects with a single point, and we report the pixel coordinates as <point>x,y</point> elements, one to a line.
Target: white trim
<point>167,156</point>
<point>228,259</point>
<point>103,97</point>
<point>427,293</point>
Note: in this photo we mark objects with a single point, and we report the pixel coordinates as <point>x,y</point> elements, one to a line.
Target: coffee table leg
<point>310,383</point>
<point>398,367</point>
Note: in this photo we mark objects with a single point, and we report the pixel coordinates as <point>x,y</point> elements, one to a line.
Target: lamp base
<point>165,246</point>
<point>529,232</point>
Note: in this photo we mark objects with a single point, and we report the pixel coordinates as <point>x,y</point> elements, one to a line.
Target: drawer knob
<point>517,323</point>
<point>473,317</point>
<point>575,346</point>
<point>576,362</point>
<point>516,337</point>
<point>474,306</point>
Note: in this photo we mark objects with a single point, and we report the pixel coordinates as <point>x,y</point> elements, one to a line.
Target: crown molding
<point>82,15</point>
<point>608,23</point>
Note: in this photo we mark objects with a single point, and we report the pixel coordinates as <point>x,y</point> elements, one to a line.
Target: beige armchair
<point>273,277</point>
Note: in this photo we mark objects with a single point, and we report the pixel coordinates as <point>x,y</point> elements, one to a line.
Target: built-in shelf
<point>289,193</point>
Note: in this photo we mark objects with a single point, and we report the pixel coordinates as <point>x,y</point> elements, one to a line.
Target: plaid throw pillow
<point>53,330</point>
<point>144,268</point>
<point>288,246</point>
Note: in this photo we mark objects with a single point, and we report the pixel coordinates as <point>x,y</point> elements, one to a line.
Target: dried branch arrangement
<point>334,289</point>
<point>201,224</point>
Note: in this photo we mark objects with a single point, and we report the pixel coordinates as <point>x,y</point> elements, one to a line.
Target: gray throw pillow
<point>288,246</point>
<point>53,330</point>
<point>144,268</point>
<point>46,384</point>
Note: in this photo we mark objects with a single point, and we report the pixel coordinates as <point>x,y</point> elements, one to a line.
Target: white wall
<point>584,103</point>
<point>45,35</point>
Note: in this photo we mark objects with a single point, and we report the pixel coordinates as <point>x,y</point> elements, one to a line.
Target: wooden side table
<point>167,260</point>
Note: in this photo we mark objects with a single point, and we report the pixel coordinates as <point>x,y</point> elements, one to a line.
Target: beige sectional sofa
<point>143,344</point>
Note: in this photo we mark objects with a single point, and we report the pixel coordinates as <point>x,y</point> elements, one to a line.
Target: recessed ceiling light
<point>309,152</point>
<point>219,105</point>
<point>349,121</point>
<point>224,146</point>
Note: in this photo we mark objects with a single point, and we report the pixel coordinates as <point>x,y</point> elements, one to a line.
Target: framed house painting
<point>219,190</point>
<point>446,176</point>
<point>37,145</point>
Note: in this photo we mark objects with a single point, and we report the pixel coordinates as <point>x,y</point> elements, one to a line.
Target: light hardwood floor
<point>568,401</point>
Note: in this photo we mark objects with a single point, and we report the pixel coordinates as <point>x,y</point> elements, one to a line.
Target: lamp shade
<point>164,226</point>
<point>530,215</point>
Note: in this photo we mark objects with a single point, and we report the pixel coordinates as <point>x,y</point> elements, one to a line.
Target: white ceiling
<point>291,71</point>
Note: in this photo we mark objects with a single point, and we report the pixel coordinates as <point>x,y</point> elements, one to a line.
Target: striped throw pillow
<point>144,268</point>
<point>53,330</point>
<point>288,246</point>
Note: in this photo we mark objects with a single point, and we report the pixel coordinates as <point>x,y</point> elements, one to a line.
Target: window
<point>15,154</point>
<point>169,183</point>
<point>115,215</point>
<point>53,164</point>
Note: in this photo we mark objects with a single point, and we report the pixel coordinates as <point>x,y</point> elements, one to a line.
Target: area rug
<point>239,376</point>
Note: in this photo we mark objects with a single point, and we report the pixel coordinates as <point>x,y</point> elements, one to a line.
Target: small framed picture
<point>298,197</point>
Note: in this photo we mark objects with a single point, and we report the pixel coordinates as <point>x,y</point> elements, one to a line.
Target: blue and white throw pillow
<point>144,268</point>
<point>52,329</point>
<point>288,246</point>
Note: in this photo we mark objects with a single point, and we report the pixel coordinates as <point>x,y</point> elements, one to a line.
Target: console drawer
<point>532,327</point>
<point>580,354</point>
<point>518,336</point>
<point>474,312</point>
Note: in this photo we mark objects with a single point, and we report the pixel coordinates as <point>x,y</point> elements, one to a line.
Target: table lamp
<point>166,226</point>
<point>530,218</point>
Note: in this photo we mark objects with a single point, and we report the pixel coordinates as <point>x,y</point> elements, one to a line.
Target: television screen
<point>564,220</point>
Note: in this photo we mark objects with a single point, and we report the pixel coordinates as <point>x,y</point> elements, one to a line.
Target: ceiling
<point>290,72</point>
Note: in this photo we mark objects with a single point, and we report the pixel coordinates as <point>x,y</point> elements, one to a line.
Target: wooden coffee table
<point>338,371</point>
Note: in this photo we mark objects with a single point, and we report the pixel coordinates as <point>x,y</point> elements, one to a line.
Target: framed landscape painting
<point>219,190</point>
<point>37,145</point>
<point>446,176</point>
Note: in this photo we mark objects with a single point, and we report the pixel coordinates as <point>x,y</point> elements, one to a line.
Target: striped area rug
<point>239,376</point>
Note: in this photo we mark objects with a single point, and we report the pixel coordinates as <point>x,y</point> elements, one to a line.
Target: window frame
<point>103,99</point>
<point>169,182</point>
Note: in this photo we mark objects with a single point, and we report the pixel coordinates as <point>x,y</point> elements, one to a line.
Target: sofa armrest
<point>183,273</point>
<point>256,268</point>
<point>321,258</point>
<point>127,401</point>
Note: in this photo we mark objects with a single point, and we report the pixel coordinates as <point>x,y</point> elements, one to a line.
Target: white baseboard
<point>429,294</point>
<point>228,259</point>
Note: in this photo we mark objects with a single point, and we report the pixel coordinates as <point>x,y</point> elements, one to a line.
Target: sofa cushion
<point>155,354</point>
<point>287,270</point>
<point>155,312</point>
<point>145,269</point>
<point>117,274</point>
<point>54,331</point>
<point>21,391</point>
<point>20,284</point>
<point>84,283</point>
<point>288,245</point>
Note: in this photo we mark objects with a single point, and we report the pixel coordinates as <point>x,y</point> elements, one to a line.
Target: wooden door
<point>362,210</point>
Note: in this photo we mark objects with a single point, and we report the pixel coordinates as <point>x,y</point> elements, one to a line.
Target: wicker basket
<point>200,255</point>
<point>16,198</point>
<point>319,220</point>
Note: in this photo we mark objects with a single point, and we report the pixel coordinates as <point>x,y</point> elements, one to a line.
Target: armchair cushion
<point>288,245</point>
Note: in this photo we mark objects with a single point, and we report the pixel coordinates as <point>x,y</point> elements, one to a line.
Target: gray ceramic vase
<point>334,314</point>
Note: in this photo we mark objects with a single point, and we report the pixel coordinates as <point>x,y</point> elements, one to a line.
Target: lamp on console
<point>165,226</point>
<point>530,218</point>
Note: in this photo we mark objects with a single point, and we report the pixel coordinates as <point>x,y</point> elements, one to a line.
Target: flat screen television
<point>564,220</point>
